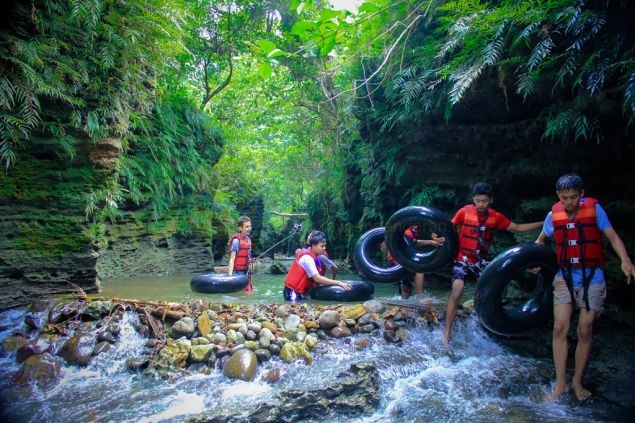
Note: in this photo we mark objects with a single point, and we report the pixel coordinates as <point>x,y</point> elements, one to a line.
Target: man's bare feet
<point>580,392</point>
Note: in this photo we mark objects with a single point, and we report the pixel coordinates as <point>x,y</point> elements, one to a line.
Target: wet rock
<point>200,353</point>
<point>64,312</point>
<point>78,350</point>
<point>35,320</point>
<point>39,346</point>
<point>106,337</point>
<point>95,310</point>
<point>329,319</point>
<point>13,343</point>
<point>39,369</point>
<point>273,375</point>
<point>293,351</point>
<point>391,325</point>
<point>374,306</point>
<point>262,354</point>
<point>311,340</point>
<point>340,332</point>
<point>137,363</point>
<point>204,323</point>
<point>101,347</point>
<point>281,311</point>
<point>241,365</point>
<point>174,354</point>
<point>352,312</point>
<point>183,328</point>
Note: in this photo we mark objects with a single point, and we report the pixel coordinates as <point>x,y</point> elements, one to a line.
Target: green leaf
<point>265,70</point>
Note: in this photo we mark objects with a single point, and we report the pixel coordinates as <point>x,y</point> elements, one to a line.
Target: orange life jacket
<point>578,240</point>
<point>243,255</point>
<point>297,278</point>
<point>476,235</point>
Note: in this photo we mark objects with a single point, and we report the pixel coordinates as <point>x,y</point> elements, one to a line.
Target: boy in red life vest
<point>240,251</point>
<point>325,262</point>
<point>476,225</point>
<point>304,274</point>
<point>576,224</point>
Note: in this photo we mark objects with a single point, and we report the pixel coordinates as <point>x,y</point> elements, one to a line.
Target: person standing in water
<point>476,225</point>
<point>240,251</point>
<point>576,224</point>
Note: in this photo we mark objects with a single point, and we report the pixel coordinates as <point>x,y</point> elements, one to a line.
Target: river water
<point>476,379</point>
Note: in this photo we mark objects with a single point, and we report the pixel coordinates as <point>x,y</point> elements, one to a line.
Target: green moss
<point>52,236</point>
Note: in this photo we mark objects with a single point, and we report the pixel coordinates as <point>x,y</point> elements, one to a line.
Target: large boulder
<point>241,365</point>
<point>39,369</point>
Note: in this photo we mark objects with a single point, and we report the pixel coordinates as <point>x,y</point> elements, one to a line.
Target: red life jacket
<point>578,240</point>
<point>297,278</point>
<point>243,255</point>
<point>476,234</point>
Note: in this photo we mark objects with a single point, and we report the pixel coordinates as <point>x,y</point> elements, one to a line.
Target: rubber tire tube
<point>430,220</point>
<point>368,241</point>
<point>219,283</point>
<point>491,285</point>
<point>360,291</point>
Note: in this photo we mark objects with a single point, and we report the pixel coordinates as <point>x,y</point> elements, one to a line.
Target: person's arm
<point>323,280</point>
<point>436,241</point>
<point>523,227</point>
<point>620,250</point>
<point>232,256</point>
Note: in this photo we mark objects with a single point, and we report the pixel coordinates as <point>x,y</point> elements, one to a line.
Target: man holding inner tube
<point>476,224</point>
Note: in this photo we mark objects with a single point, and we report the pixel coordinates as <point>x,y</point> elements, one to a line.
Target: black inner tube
<point>511,298</point>
<point>360,291</point>
<point>426,258</point>
<point>214,283</point>
<point>371,262</point>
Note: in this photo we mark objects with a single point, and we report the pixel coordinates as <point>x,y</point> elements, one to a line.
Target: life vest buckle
<point>574,260</point>
<point>570,225</point>
<point>572,242</point>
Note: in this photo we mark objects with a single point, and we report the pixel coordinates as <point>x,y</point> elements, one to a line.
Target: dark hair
<point>241,220</point>
<point>315,237</point>
<point>570,181</point>
<point>482,188</point>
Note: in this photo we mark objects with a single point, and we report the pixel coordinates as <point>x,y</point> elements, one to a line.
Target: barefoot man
<point>576,224</point>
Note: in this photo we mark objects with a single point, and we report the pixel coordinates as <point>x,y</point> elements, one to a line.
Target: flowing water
<point>475,379</point>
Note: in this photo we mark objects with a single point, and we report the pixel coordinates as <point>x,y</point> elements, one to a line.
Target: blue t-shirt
<point>602,221</point>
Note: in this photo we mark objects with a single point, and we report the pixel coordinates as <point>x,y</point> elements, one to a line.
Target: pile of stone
<point>199,336</point>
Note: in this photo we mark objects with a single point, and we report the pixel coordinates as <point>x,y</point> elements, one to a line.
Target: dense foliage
<point>218,102</point>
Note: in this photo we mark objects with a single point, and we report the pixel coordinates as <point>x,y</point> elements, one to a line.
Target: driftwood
<point>288,214</point>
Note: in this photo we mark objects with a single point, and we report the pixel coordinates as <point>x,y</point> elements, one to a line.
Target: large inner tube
<point>360,291</point>
<point>427,258</point>
<point>510,299</point>
<point>371,262</point>
<point>219,283</point>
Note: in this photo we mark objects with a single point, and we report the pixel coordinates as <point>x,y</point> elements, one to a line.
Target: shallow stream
<point>476,379</point>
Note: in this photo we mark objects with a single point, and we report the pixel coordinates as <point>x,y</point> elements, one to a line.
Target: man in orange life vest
<point>240,251</point>
<point>477,223</point>
<point>576,224</point>
<point>304,272</point>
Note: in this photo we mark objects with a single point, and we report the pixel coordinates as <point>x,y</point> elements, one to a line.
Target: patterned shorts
<point>465,270</point>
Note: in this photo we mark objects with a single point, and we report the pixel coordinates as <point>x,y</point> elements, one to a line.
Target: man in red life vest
<point>304,272</point>
<point>576,224</point>
<point>476,225</point>
<point>240,251</point>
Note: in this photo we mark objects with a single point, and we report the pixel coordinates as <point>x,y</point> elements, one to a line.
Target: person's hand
<point>628,269</point>
<point>437,241</point>
<point>345,285</point>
